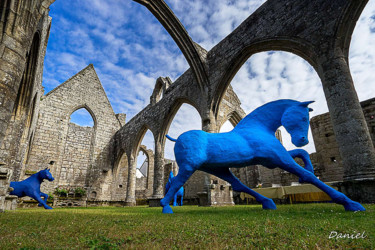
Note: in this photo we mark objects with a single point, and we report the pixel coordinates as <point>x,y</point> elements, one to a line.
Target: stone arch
<point>161,85</point>
<point>149,154</point>
<point>75,167</point>
<point>119,176</point>
<point>133,154</point>
<point>30,131</point>
<point>194,54</point>
<point>174,108</point>
<point>20,128</point>
<point>347,24</point>
<point>143,149</point>
<point>135,147</point>
<point>360,58</point>
<point>150,170</point>
<point>87,108</point>
<point>233,117</point>
<point>24,95</point>
<point>298,47</point>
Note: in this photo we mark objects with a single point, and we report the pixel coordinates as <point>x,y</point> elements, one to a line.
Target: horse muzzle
<point>300,142</point>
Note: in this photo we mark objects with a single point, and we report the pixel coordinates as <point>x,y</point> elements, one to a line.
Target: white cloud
<point>187,118</point>
<point>226,127</point>
<point>149,142</point>
<point>278,75</point>
<point>362,53</point>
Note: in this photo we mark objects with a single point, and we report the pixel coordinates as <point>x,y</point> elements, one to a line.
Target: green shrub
<point>51,197</point>
<point>61,192</point>
<point>79,192</point>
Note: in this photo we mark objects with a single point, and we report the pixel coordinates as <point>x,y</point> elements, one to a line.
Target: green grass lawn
<point>290,226</point>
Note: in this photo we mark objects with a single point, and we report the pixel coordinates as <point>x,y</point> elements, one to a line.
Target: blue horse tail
<point>170,138</point>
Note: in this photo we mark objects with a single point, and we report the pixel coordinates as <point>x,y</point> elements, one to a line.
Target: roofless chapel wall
<point>77,154</point>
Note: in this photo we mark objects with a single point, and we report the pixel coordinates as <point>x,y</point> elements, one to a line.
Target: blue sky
<point>130,50</point>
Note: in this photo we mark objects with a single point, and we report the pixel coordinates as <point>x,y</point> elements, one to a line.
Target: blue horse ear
<point>305,104</point>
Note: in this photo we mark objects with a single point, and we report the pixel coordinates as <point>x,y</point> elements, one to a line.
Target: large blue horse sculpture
<point>179,193</point>
<point>251,142</point>
<point>31,187</point>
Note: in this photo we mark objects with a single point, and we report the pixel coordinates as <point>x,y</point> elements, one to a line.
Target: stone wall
<point>119,179</point>
<point>24,31</point>
<point>19,130</point>
<point>327,160</point>
<point>79,154</point>
<point>5,175</point>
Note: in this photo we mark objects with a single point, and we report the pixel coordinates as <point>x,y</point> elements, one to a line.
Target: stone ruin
<point>35,130</point>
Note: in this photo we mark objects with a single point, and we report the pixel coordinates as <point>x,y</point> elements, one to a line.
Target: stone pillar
<point>150,174</point>
<point>5,175</point>
<point>10,76</point>
<point>351,131</point>
<point>158,192</point>
<point>130,193</point>
<point>217,191</point>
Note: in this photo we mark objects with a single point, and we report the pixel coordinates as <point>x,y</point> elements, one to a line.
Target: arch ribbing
<point>188,47</point>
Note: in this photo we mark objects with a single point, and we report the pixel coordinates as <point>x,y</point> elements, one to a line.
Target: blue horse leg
<point>45,196</point>
<point>37,197</point>
<point>176,184</point>
<point>300,153</point>
<point>182,197</point>
<point>306,176</point>
<point>175,200</point>
<point>237,185</point>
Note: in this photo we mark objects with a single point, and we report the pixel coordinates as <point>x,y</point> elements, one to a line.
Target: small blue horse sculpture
<point>31,187</point>
<point>179,193</point>
<point>251,142</point>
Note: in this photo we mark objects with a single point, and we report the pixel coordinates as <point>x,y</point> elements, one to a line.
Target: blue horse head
<point>46,175</point>
<point>295,120</point>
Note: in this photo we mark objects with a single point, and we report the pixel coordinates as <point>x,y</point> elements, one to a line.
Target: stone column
<point>158,192</point>
<point>130,192</point>
<point>215,191</point>
<point>150,174</point>
<point>351,131</point>
<point>5,175</point>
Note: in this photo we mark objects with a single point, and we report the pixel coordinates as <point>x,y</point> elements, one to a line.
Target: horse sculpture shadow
<point>178,194</point>
<point>31,187</point>
<point>251,142</point>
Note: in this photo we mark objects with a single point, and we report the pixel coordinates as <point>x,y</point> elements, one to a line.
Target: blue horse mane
<point>267,112</point>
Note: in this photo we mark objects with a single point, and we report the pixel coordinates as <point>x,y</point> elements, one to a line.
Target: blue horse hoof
<point>354,206</point>
<point>167,210</point>
<point>269,204</point>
